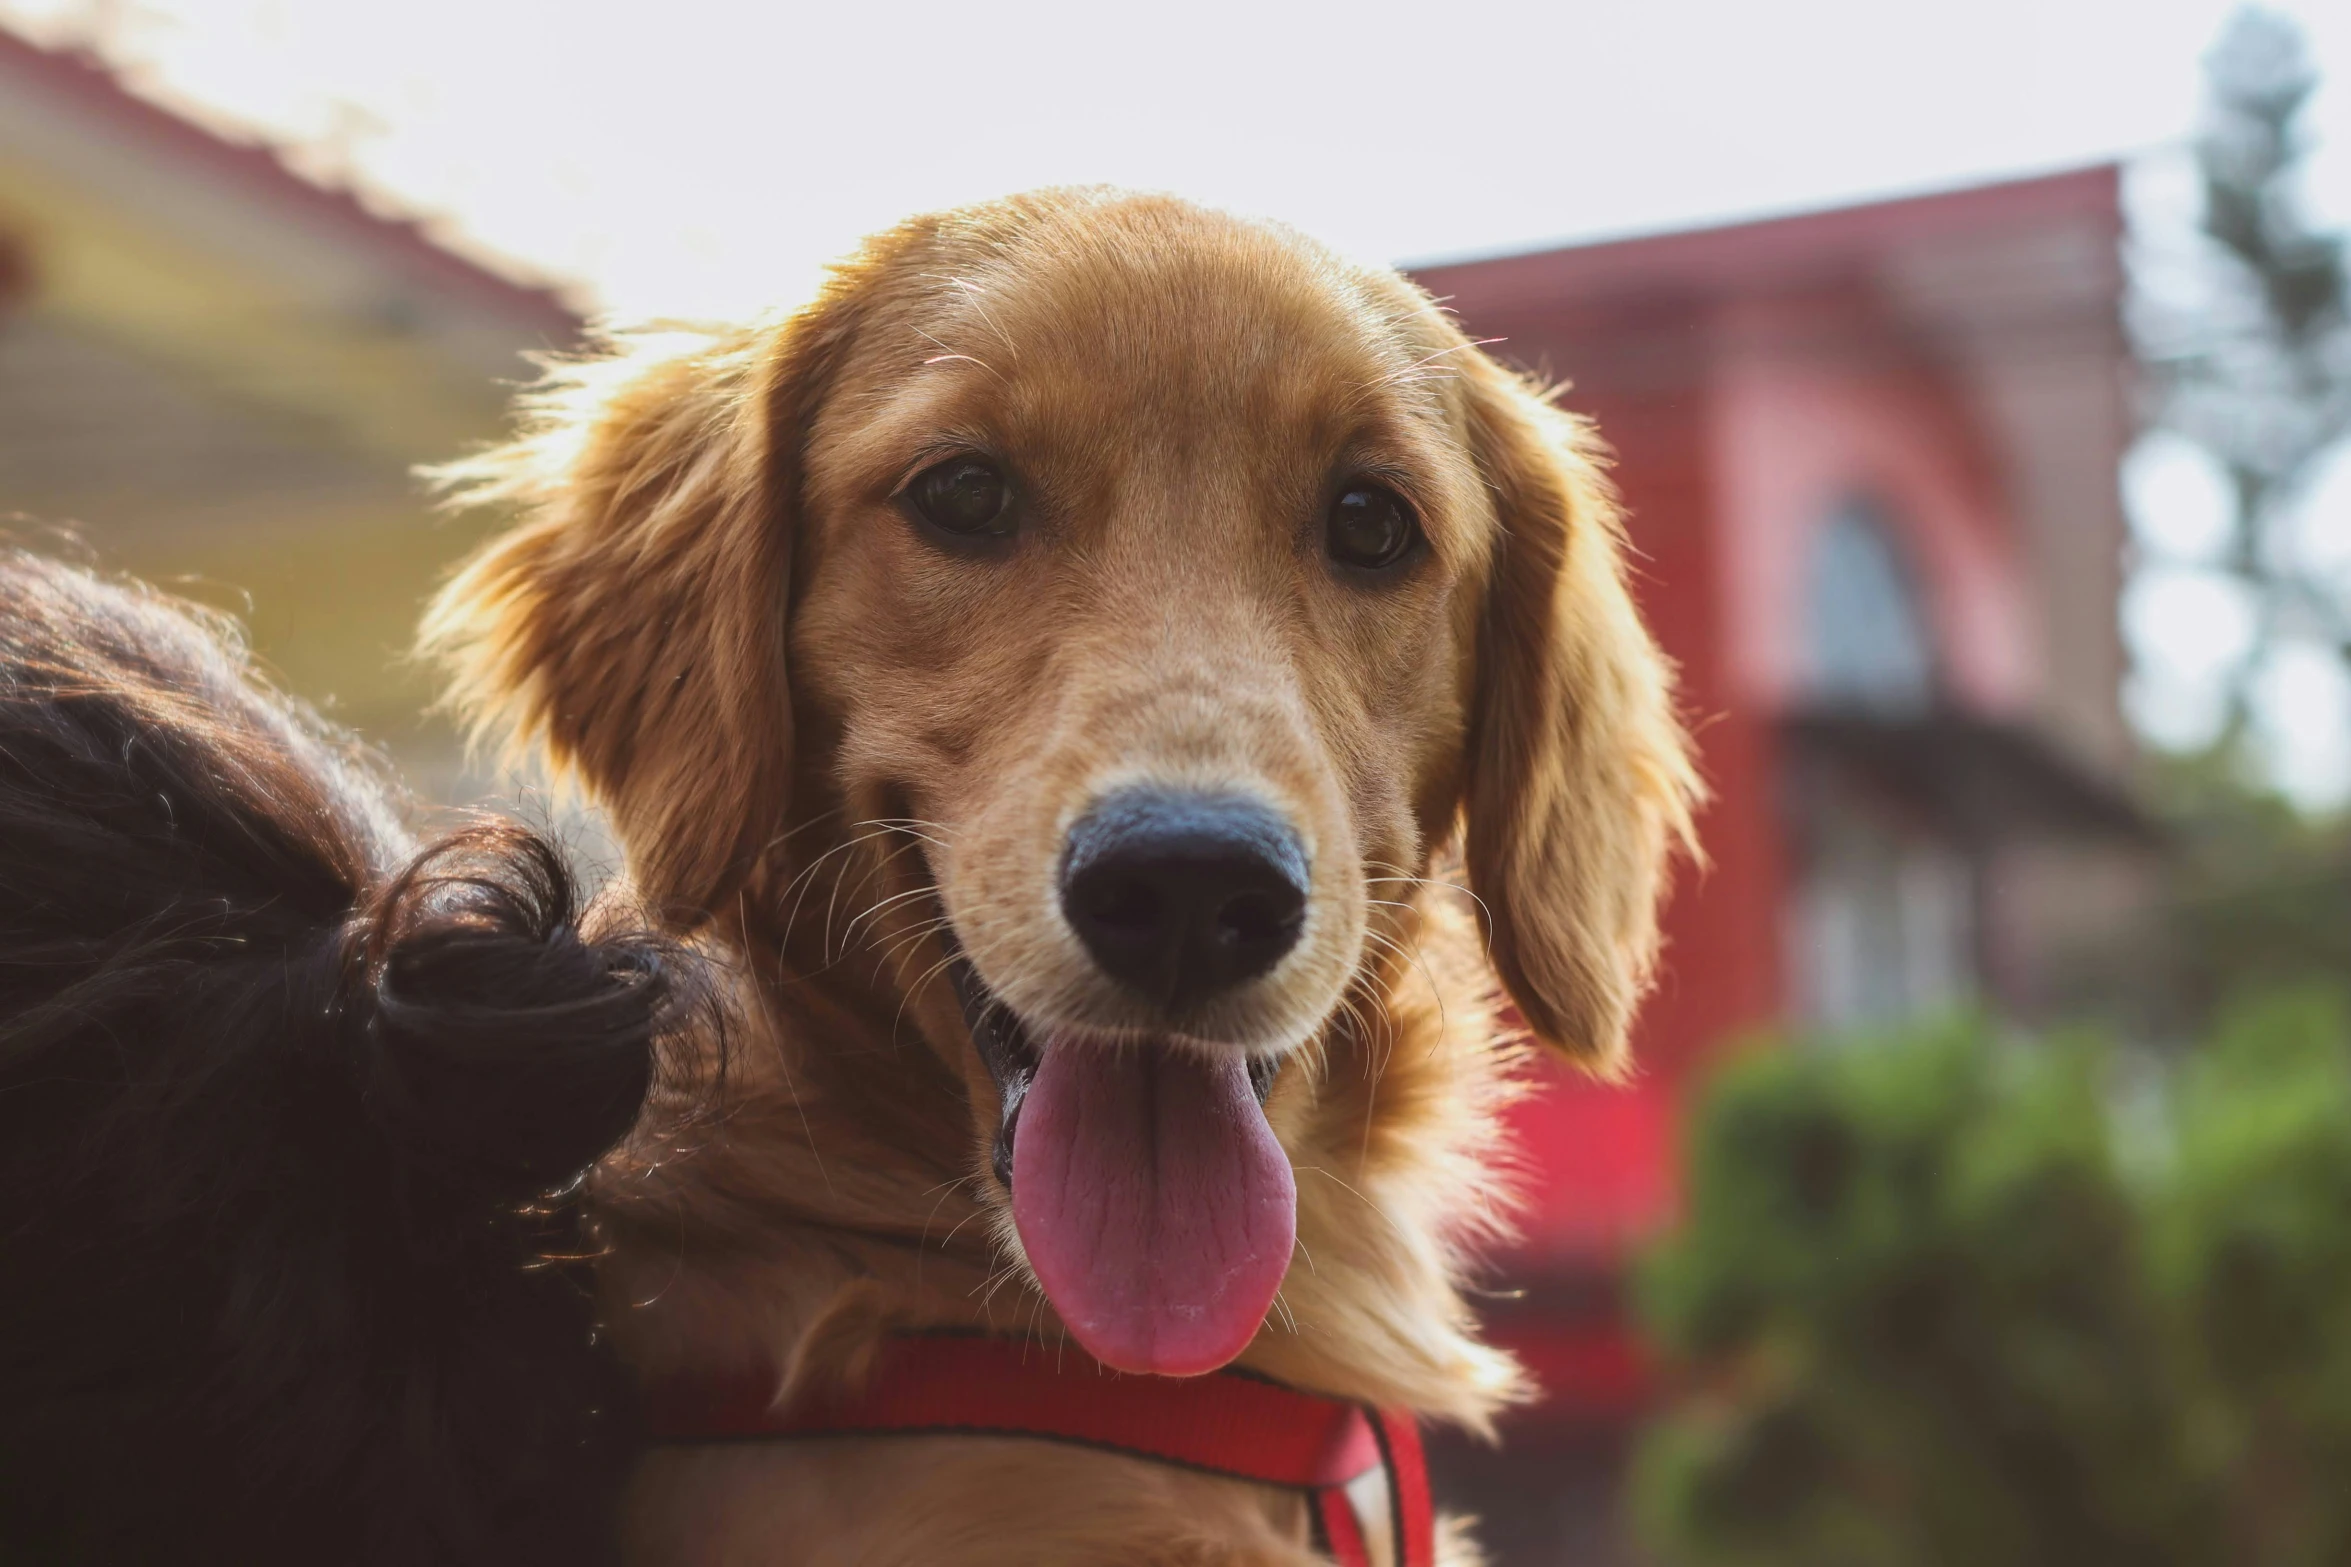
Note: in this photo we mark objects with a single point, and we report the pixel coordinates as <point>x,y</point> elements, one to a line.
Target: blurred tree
<point>1923,1314</point>
<point>2256,365</point>
<point>1911,1289</point>
<point>2253,1246</point>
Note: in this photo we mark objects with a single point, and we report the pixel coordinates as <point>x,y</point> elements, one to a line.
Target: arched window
<point>1867,641</point>
<point>1884,912</point>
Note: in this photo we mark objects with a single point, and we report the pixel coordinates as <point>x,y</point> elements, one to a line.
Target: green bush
<point>1922,1311</point>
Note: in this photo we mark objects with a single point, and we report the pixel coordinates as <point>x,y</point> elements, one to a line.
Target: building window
<point>1866,641</point>
<point>1882,924</point>
<point>1883,920</point>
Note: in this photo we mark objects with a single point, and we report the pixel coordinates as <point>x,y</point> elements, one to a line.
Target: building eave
<point>259,171</point>
<point>1773,254</point>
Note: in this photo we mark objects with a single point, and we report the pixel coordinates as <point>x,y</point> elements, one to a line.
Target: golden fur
<point>820,738</point>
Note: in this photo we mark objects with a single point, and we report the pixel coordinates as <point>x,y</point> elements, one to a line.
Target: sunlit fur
<point>821,736</point>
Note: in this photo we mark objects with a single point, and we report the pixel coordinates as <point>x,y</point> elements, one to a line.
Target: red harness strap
<point>1229,1423</point>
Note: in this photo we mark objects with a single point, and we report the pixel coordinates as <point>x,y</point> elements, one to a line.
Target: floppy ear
<point>632,623</point>
<point>1580,784</point>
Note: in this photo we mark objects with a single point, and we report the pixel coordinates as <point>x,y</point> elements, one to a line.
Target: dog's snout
<point>1180,894</point>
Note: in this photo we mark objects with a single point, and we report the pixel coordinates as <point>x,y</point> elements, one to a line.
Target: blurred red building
<point>1870,461</point>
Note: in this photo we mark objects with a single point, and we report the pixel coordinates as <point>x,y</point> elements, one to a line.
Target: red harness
<point>1361,1468</point>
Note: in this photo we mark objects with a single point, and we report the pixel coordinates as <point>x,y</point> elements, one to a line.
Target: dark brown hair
<point>286,1105</point>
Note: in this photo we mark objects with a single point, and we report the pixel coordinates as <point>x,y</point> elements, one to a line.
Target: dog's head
<point>1143,595</point>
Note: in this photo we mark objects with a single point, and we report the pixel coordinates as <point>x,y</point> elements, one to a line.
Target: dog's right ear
<point>632,623</point>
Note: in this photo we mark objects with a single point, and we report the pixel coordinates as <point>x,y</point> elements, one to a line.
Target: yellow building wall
<point>228,393</point>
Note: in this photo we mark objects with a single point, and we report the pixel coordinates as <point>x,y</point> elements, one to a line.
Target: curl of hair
<point>500,1047</point>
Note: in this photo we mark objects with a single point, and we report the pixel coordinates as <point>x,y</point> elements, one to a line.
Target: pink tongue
<point>1153,1201</point>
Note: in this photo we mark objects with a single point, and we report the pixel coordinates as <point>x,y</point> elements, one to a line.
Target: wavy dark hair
<point>289,1109</point>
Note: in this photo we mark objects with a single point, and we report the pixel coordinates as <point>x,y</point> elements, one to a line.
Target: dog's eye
<point>964,496</point>
<point>1370,526</point>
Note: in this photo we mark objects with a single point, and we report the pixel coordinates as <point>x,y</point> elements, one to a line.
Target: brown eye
<point>965,496</point>
<point>1371,526</point>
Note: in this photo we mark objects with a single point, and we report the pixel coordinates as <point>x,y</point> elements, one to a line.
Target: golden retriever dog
<point>1049,665</point>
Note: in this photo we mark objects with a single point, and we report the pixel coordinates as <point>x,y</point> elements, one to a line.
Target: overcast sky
<point>706,157</point>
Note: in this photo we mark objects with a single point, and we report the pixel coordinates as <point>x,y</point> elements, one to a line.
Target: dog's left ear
<point>632,623</point>
<point>1580,784</point>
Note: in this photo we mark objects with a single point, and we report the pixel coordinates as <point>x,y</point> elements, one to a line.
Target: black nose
<point>1180,894</point>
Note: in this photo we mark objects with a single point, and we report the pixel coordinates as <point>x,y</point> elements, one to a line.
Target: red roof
<point>259,171</point>
<point>1774,253</point>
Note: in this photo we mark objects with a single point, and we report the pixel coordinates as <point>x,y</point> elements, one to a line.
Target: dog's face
<point>1134,569</point>
<point>1161,590</point>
